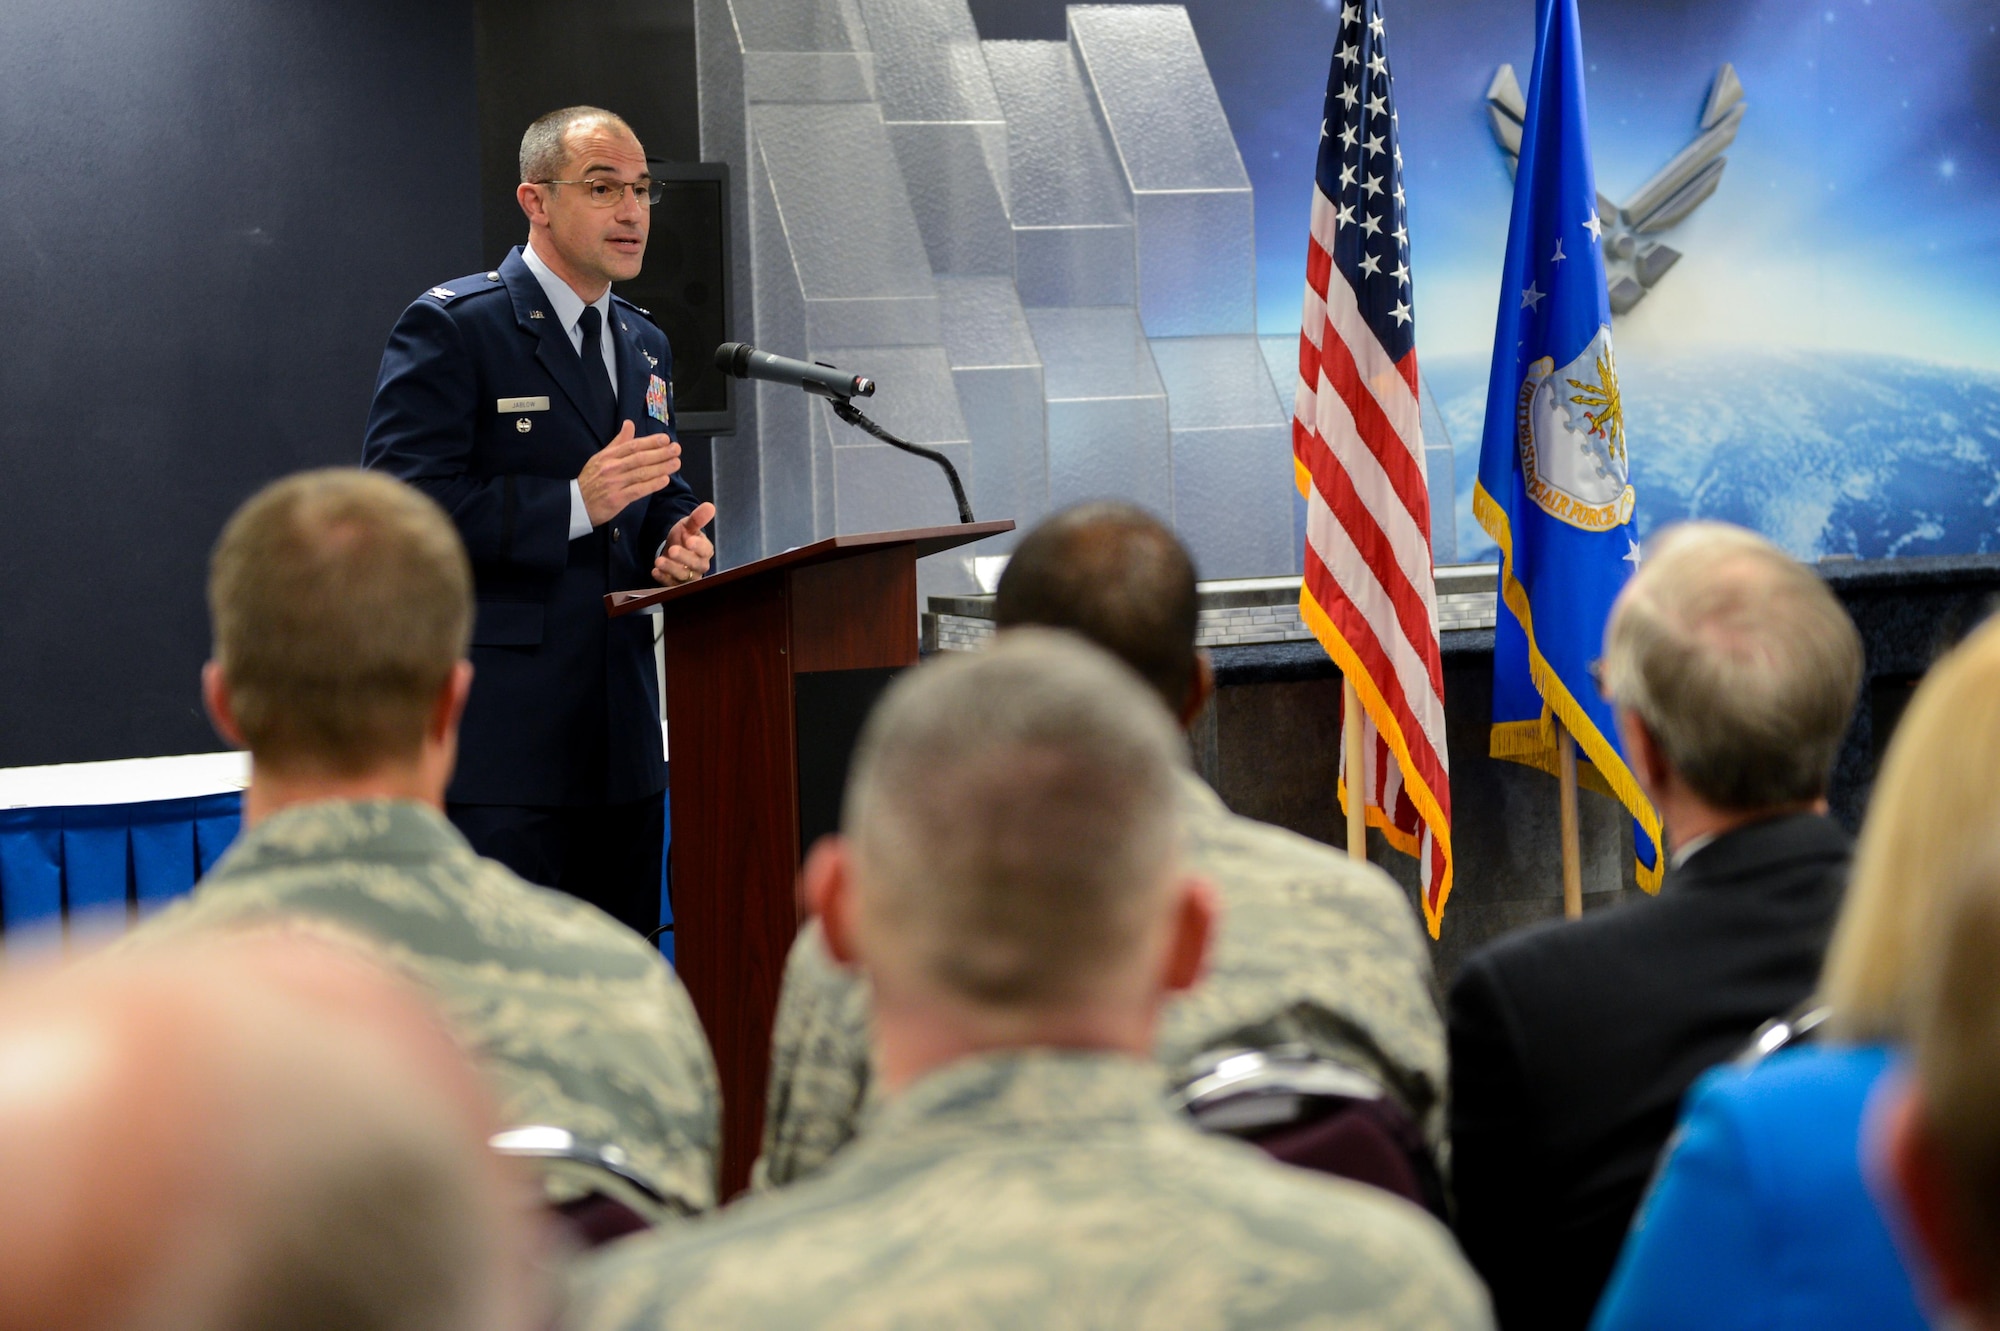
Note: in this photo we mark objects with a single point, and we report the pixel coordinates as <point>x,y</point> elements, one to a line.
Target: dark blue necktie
<point>603,402</point>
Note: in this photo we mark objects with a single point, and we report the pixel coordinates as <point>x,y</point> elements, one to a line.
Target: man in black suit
<point>1733,672</point>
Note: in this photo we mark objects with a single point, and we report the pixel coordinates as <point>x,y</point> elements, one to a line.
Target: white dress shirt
<point>569,308</point>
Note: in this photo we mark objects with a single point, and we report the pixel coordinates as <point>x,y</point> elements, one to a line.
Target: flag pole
<point>1354,771</point>
<point>1572,851</point>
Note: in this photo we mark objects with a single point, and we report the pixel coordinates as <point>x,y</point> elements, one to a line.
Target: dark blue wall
<point>213,211</point>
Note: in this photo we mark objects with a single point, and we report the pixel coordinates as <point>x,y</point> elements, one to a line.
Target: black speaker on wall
<point>685,286</point>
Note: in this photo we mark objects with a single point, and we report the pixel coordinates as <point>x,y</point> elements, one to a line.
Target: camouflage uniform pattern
<point>576,1021</point>
<point>1315,949</point>
<point>1037,1190</point>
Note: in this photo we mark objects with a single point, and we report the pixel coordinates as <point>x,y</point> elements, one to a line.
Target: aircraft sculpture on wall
<point>1633,262</point>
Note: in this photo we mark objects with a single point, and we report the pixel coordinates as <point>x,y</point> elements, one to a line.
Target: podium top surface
<point>927,540</point>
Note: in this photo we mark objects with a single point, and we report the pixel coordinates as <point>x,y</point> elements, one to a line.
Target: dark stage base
<point>1270,745</point>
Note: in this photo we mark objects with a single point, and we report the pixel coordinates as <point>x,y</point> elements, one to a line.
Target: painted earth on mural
<point>1825,453</point>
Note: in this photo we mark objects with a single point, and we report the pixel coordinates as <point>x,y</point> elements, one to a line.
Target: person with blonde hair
<point>1942,1143</point>
<point>1762,1204</point>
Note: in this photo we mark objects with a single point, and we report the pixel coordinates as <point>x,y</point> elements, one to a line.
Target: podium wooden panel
<point>737,645</point>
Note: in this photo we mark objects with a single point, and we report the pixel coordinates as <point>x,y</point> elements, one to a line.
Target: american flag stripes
<point>1357,443</point>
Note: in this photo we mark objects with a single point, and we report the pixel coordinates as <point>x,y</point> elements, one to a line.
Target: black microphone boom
<point>746,362</point>
<point>850,413</point>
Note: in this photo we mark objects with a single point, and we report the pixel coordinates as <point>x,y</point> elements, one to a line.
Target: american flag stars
<point>1360,172</point>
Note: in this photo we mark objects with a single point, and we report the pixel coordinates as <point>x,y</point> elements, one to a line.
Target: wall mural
<point>1808,290</point>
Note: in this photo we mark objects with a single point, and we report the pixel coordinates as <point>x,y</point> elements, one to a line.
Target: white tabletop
<point>126,781</point>
<point>132,780</point>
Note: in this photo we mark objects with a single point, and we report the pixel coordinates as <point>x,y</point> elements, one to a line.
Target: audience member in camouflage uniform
<point>342,606</point>
<point>1316,949</point>
<point>1011,881</point>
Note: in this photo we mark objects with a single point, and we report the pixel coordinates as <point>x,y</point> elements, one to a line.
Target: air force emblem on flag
<point>1571,428</point>
<point>658,400</point>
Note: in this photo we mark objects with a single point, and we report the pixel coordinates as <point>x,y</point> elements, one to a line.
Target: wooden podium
<point>771,668</point>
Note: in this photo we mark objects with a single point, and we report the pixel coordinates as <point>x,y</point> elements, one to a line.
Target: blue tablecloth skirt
<point>101,858</point>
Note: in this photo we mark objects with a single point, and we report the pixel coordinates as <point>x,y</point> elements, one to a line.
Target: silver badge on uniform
<point>524,425</point>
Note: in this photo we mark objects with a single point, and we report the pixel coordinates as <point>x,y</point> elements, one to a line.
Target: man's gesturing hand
<point>688,551</point>
<point>627,469</point>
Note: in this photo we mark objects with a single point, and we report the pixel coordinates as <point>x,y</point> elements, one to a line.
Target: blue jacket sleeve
<point>421,429</point>
<point>1696,1256</point>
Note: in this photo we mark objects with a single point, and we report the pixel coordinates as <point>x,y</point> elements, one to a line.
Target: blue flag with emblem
<point>1554,487</point>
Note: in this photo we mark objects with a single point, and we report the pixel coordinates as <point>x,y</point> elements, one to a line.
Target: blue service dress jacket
<point>1763,1217</point>
<point>481,404</point>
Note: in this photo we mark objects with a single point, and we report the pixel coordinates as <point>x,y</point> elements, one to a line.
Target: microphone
<point>746,362</point>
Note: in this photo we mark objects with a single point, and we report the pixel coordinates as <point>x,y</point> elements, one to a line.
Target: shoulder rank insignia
<point>442,293</point>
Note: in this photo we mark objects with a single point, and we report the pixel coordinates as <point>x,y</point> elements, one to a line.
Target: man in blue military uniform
<point>535,406</point>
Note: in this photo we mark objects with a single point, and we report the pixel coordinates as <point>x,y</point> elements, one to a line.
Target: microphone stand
<point>847,411</point>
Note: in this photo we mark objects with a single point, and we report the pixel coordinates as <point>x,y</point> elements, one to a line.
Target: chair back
<point>1309,1112</point>
<point>1799,1027</point>
<point>604,1198</point>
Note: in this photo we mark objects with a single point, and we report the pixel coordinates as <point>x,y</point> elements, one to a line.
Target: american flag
<point>1357,442</point>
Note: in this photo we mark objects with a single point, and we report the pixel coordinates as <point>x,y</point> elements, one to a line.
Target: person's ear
<point>828,882</point>
<point>531,201</point>
<point>215,697</point>
<point>1200,688</point>
<point>1193,932</point>
<point>442,727</point>
<point>1642,751</point>
<point>1923,1184</point>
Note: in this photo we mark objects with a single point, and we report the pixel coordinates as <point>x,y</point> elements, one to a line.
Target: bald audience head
<point>1734,668</point>
<point>1009,870</point>
<point>255,1132</point>
<point>1115,574</point>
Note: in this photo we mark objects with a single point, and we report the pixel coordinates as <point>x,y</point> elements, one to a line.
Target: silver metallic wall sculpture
<point>1633,263</point>
<point>1042,251</point>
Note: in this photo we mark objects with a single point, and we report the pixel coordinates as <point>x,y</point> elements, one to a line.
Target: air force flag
<point>1555,488</point>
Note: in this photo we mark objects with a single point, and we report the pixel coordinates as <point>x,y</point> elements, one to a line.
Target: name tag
<point>509,405</point>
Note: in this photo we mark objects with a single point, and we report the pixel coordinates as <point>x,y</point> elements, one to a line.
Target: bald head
<point>1012,815</point>
<point>1115,574</point>
<point>1739,661</point>
<point>240,1134</point>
